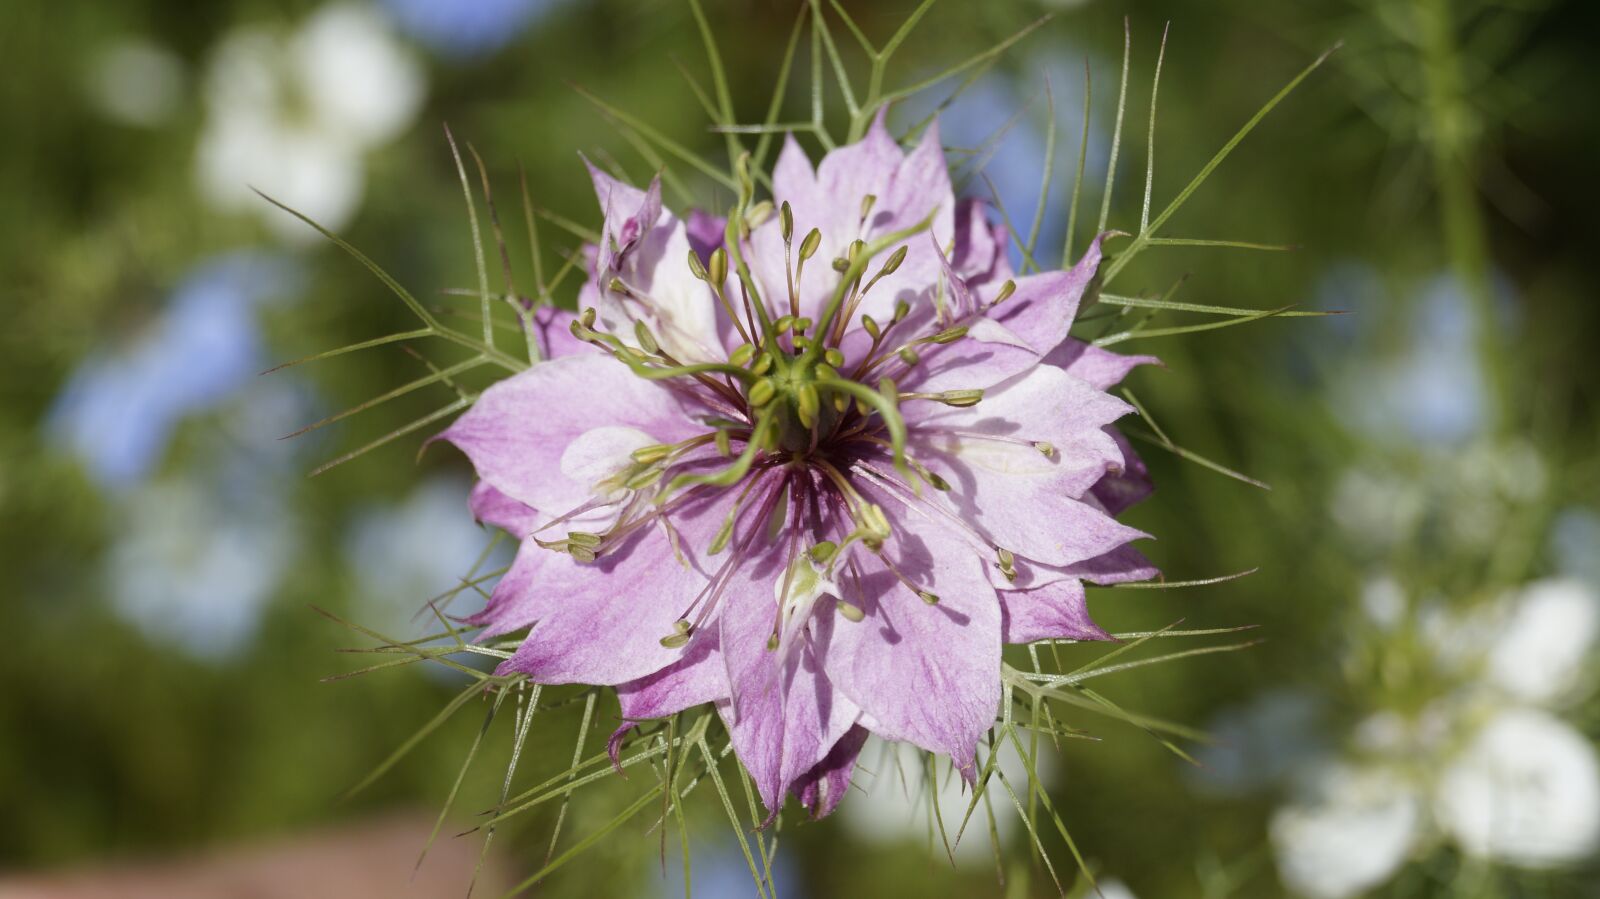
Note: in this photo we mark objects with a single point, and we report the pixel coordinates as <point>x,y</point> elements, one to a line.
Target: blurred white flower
<point>133,81</point>
<point>1348,831</point>
<point>1539,655</point>
<point>1115,889</point>
<point>194,572</point>
<point>1525,791</point>
<point>896,807</point>
<point>294,115</point>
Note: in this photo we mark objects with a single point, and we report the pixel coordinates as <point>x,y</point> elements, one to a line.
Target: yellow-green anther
<point>742,355</point>
<point>583,538</point>
<point>808,246</point>
<point>870,324</point>
<point>786,218</point>
<point>763,364</point>
<point>851,612</point>
<point>889,267</point>
<point>931,599</point>
<point>1008,564</point>
<point>802,325</point>
<point>949,335</point>
<point>857,247</point>
<point>724,534</point>
<point>644,478</point>
<point>759,213</point>
<point>801,342</point>
<point>762,393</point>
<point>582,553</point>
<point>772,642</point>
<point>823,552</point>
<point>866,205</point>
<point>696,267</point>
<point>908,355</point>
<point>674,641</point>
<point>616,286</point>
<point>683,626</point>
<point>826,372</point>
<point>834,357</point>
<point>587,316</point>
<point>1045,447</point>
<point>807,404</point>
<point>901,310</point>
<point>841,402</point>
<point>1006,290</point>
<point>723,448</point>
<point>783,324</point>
<point>647,340</point>
<point>649,455</point>
<point>960,398</point>
<point>840,263</point>
<point>719,267</point>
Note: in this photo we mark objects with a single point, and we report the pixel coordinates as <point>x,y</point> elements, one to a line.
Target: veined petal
<point>1043,307</point>
<point>1059,611</point>
<point>602,622</point>
<point>1101,368</point>
<point>518,430</point>
<point>927,674</point>
<point>821,788</point>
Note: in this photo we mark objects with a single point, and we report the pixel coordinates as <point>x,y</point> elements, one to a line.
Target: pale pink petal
<point>518,430</point>
<point>1059,611</point>
<point>821,788</point>
<point>1101,368</point>
<point>925,674</point>
<point>1119,490</point>
<point>1042,309</point>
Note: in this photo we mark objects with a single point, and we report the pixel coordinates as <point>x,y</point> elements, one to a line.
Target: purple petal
<point>695,679</point>
<point>785,714</point>
<point>492,507</point>
<point>1044,305</point>
<point>1102,368</point>
<point>602,622</point>
<point>1117,491</point>
<point>925,674</point>
<point>1120,565</point>
<point>1059,611</point>
<point>518,430</point>
<point>706,233</point>
<point>517,600</point>
<point>821,788</point>
<point>629,214</point>
<point>554,327</point>
<point>979,254</point>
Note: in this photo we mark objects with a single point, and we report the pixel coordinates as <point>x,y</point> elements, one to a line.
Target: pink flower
<point>815,469</point>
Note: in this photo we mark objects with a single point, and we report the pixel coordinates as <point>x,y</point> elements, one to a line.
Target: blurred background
<point>1419,720</point>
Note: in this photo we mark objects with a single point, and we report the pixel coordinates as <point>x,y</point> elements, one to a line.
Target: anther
<point>870,325</point>
<point>742,355</point>
<point>807,404</point>
<point>867,204</point>
<point>783,324</point>
<point>808,246</point>
<point>901,310</point>
<point>786,220</point>
<point>647,340</point>
<point>758,213</point>
<point>949,335</point>
<point>893,263</point>
<point>960,398</point>
<point>908,356</point>
<point>763,391</point>
<point>1045,447</point>
<point>719,267</point>
<point>696,267</point>
<point>649,455</point>
<point>851,612</point>
<point>834,357</point>
<point>1006,290</point>
<point>931,599</point>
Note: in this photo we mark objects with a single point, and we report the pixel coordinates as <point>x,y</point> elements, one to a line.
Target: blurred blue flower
<point>1015,162</point>
<point>118,410</point>
<point>1418,374</point>
<point>466,28</point>
<point>403,554</point>
<point>719,870</point>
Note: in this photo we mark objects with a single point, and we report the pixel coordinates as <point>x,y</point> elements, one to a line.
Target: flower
<point>819,496</point>
<point>119,408</point>
<point>293,115</point>
<point>467,28</point>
